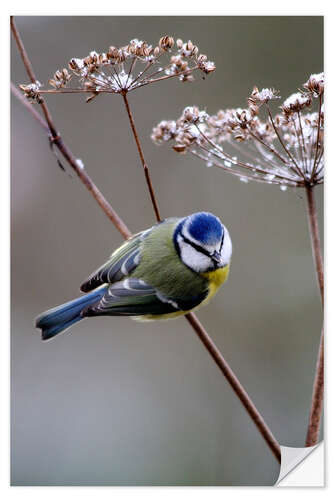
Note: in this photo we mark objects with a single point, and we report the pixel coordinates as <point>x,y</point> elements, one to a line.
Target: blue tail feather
<point>60,318</point>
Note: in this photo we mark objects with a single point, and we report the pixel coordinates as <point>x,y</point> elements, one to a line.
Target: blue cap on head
<point>205,228</point>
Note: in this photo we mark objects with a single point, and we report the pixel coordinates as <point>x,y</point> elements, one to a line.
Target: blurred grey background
<point>116,402</point>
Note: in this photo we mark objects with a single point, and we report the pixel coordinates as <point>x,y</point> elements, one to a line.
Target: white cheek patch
<point>192,258</point>
<point>226,248</point>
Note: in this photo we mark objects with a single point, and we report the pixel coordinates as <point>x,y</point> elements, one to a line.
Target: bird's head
<point>203,242</point>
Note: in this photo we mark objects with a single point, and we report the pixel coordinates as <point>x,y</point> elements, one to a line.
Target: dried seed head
<point>295,103</point>
<point>139,48</point>
<point>76,65</point>
<point>164,131</point>
<point>205,65</point>
<point>122,55</point>
<point>192,114</point>
<point>187,49</point>
<point>166,43</point>
<point>31,91</point>
<point>112,53</point>
<point>260,97</point>
<point>103,59</point>
<point>208,67</point>
<point>241,119</point>
<point>185,137</point>
<point>186,77</point>
<point>93,56</point>
<point>285,150</point>
<point>60,79</point>
<point>117,70</point>
<point>315,84</point>
<point>179,67</point>
<point>179,148</point>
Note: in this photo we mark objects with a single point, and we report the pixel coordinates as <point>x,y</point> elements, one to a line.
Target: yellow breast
<point>215,279</point>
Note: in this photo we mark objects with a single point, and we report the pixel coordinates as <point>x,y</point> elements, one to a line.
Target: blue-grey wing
<point>121,263</point>
<point>134,297</point>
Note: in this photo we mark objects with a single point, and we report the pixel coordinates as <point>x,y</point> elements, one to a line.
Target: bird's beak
<point>217,257</point>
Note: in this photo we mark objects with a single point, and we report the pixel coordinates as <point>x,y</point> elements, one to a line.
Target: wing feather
<point>134,297</point>
<point>121,263</point>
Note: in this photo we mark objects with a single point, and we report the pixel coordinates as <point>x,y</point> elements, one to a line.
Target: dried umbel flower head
<point>192,114</point>
<point>124,69</point>
<point>60,79</point>
<point>295,103</point>
<point>166,43</point>
<point>32,91</point>
<point>286,150</point>
<point>257,98</point>
<point>315,84</point>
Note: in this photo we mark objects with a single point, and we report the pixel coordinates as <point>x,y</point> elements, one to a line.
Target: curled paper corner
<point>298,468</point>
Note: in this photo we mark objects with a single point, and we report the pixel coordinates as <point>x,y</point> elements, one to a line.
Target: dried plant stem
<point>317,398</point>
<point>203,335</point>
<point>318,385</point>
<point>144,164</point>
<point>32,109</point>
<point>59,143</point>
<point>236,385</point>
<point>315,240</point>
<point>122,228</point>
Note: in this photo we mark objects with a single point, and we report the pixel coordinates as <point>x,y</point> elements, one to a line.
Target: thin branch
<point>120,225</point>
<point>318,385</point>
<point>317,398</point>
<point>32,109</point>
<point>22,51</point>
<point>315,239</point>
<point>236,385</point>
<point>143,161</point>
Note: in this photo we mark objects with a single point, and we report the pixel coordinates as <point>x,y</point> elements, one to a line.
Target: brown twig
<point>23,100</point>
<point>315,240</point>
<point>317,398</point>
<point>236,385</point>
<point>318,385</point>
<point>144,164</point>
<point>122,228</point>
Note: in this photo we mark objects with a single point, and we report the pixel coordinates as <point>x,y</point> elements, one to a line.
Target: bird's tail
<point>60,318</point>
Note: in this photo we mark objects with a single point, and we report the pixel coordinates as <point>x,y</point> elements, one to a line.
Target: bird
<point>163,272</point>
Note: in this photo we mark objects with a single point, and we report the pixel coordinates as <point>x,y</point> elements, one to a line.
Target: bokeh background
<point>116,402</point>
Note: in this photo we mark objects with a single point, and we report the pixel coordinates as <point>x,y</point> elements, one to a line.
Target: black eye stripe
<point>223,233</point>
<point>196,247</point>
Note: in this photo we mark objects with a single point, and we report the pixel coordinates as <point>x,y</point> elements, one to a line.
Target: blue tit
<point>164,272</point>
